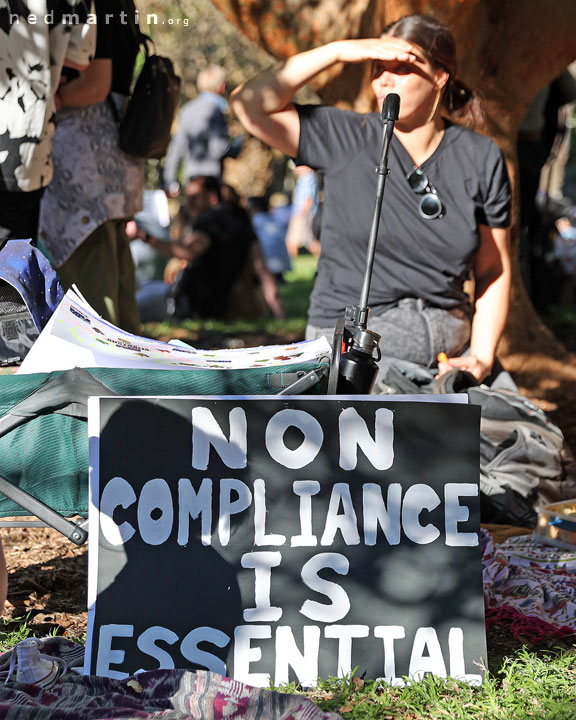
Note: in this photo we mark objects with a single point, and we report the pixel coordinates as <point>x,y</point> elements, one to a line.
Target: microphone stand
<point>354,370</point>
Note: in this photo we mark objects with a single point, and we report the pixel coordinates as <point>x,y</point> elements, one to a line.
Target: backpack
<point>146,124</point>
<point>524,459</point>
<point>17,330</point>
<point>29,294</point>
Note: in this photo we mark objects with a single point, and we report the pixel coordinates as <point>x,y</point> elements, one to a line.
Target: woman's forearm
<point>492,273</point>
<point>490,320</point>
<point>91,86</point>
<point>492,294</point>
<point>274,88</point>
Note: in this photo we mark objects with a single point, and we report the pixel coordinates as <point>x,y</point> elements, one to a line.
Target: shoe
<point>32,668</point>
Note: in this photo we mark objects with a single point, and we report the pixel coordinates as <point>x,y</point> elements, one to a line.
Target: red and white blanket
<point>531,586</point>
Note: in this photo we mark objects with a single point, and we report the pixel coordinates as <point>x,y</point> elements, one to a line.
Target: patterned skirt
<point>94,181</point>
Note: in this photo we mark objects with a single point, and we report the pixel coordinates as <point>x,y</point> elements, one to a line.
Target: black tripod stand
<point>353,368</point>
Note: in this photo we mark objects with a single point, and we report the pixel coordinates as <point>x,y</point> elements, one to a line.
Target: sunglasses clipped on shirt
<point>430,205</point>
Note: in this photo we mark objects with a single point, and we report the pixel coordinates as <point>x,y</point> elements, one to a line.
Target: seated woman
<point>446,207</point>
<point>217,268</point>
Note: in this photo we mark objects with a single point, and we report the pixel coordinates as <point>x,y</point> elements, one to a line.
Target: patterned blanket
<point>155,695</point>
<point>530,586</point>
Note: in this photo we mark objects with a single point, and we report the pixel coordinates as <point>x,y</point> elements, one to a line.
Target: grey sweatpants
<point>414,331</point>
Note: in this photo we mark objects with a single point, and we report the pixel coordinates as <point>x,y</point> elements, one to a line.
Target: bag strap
<point>141,37</point>
<point>144,41</point>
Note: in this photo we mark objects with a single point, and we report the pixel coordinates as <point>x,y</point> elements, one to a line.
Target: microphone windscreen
<point>391,107</point>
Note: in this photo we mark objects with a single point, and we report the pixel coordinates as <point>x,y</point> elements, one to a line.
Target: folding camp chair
<point>44,441</point>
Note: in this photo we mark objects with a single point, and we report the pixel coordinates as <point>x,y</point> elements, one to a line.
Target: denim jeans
<point>414,331</point>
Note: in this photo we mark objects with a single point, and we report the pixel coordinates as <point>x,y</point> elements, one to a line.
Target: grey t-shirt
<point>415,257</point>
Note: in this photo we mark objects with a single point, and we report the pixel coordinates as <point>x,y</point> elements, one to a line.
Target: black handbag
<point>147,120</point>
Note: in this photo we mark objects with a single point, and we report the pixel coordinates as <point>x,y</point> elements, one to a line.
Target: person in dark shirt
<point>97,188</point>
<point>217,267</point>
<point>225,241</point>
<point>446,211</point>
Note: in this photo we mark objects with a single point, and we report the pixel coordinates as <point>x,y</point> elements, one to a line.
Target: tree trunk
<point>507,50</point>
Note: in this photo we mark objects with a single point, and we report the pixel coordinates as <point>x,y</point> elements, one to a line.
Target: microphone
<point>391,108</point>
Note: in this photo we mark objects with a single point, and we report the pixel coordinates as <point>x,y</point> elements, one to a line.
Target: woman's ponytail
<point>463,105</point>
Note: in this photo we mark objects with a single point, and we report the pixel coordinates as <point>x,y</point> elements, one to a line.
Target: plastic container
<point>557,524</point>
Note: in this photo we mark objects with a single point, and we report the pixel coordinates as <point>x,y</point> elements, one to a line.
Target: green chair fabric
<point>47,456</point>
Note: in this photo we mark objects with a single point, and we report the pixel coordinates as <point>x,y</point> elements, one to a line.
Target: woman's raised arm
<point>264,104</point>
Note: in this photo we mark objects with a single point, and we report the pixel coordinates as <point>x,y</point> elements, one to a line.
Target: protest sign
<point>285,539</point>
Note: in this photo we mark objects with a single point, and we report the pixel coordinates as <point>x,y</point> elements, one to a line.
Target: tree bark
<point>507,51</point>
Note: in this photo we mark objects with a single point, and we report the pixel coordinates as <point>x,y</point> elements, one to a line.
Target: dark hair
<point>229,195</point>
<point>438,44</point>
<point>209,183</point>
<point>258,204</point>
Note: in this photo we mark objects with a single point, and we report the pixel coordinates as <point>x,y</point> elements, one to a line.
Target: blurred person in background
<point>202,140</point>
<point>271,228</point>
<point>216,268</point>
<point>305,199</point>
<point>540,136</point>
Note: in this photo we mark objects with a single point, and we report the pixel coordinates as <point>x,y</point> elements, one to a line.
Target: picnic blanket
<point>530,587</point>
<point>166,694</point>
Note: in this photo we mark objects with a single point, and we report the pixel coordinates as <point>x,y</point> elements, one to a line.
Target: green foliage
<point>195,34</point>
<point>10,636</point>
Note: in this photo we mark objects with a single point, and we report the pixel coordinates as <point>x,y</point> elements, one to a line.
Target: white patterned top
<point>36,36</point>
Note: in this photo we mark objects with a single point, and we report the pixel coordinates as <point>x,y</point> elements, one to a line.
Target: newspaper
<point>76,336</point>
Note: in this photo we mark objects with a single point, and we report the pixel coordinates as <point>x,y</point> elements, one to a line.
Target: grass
<point>9,638</point>
<point>295,294</point>
<point>528,685</point>
<point>296,290</point>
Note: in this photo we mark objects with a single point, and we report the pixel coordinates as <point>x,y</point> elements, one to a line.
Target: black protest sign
<point>277,540</point>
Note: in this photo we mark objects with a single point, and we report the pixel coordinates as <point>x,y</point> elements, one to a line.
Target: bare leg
<point>3,579</point>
